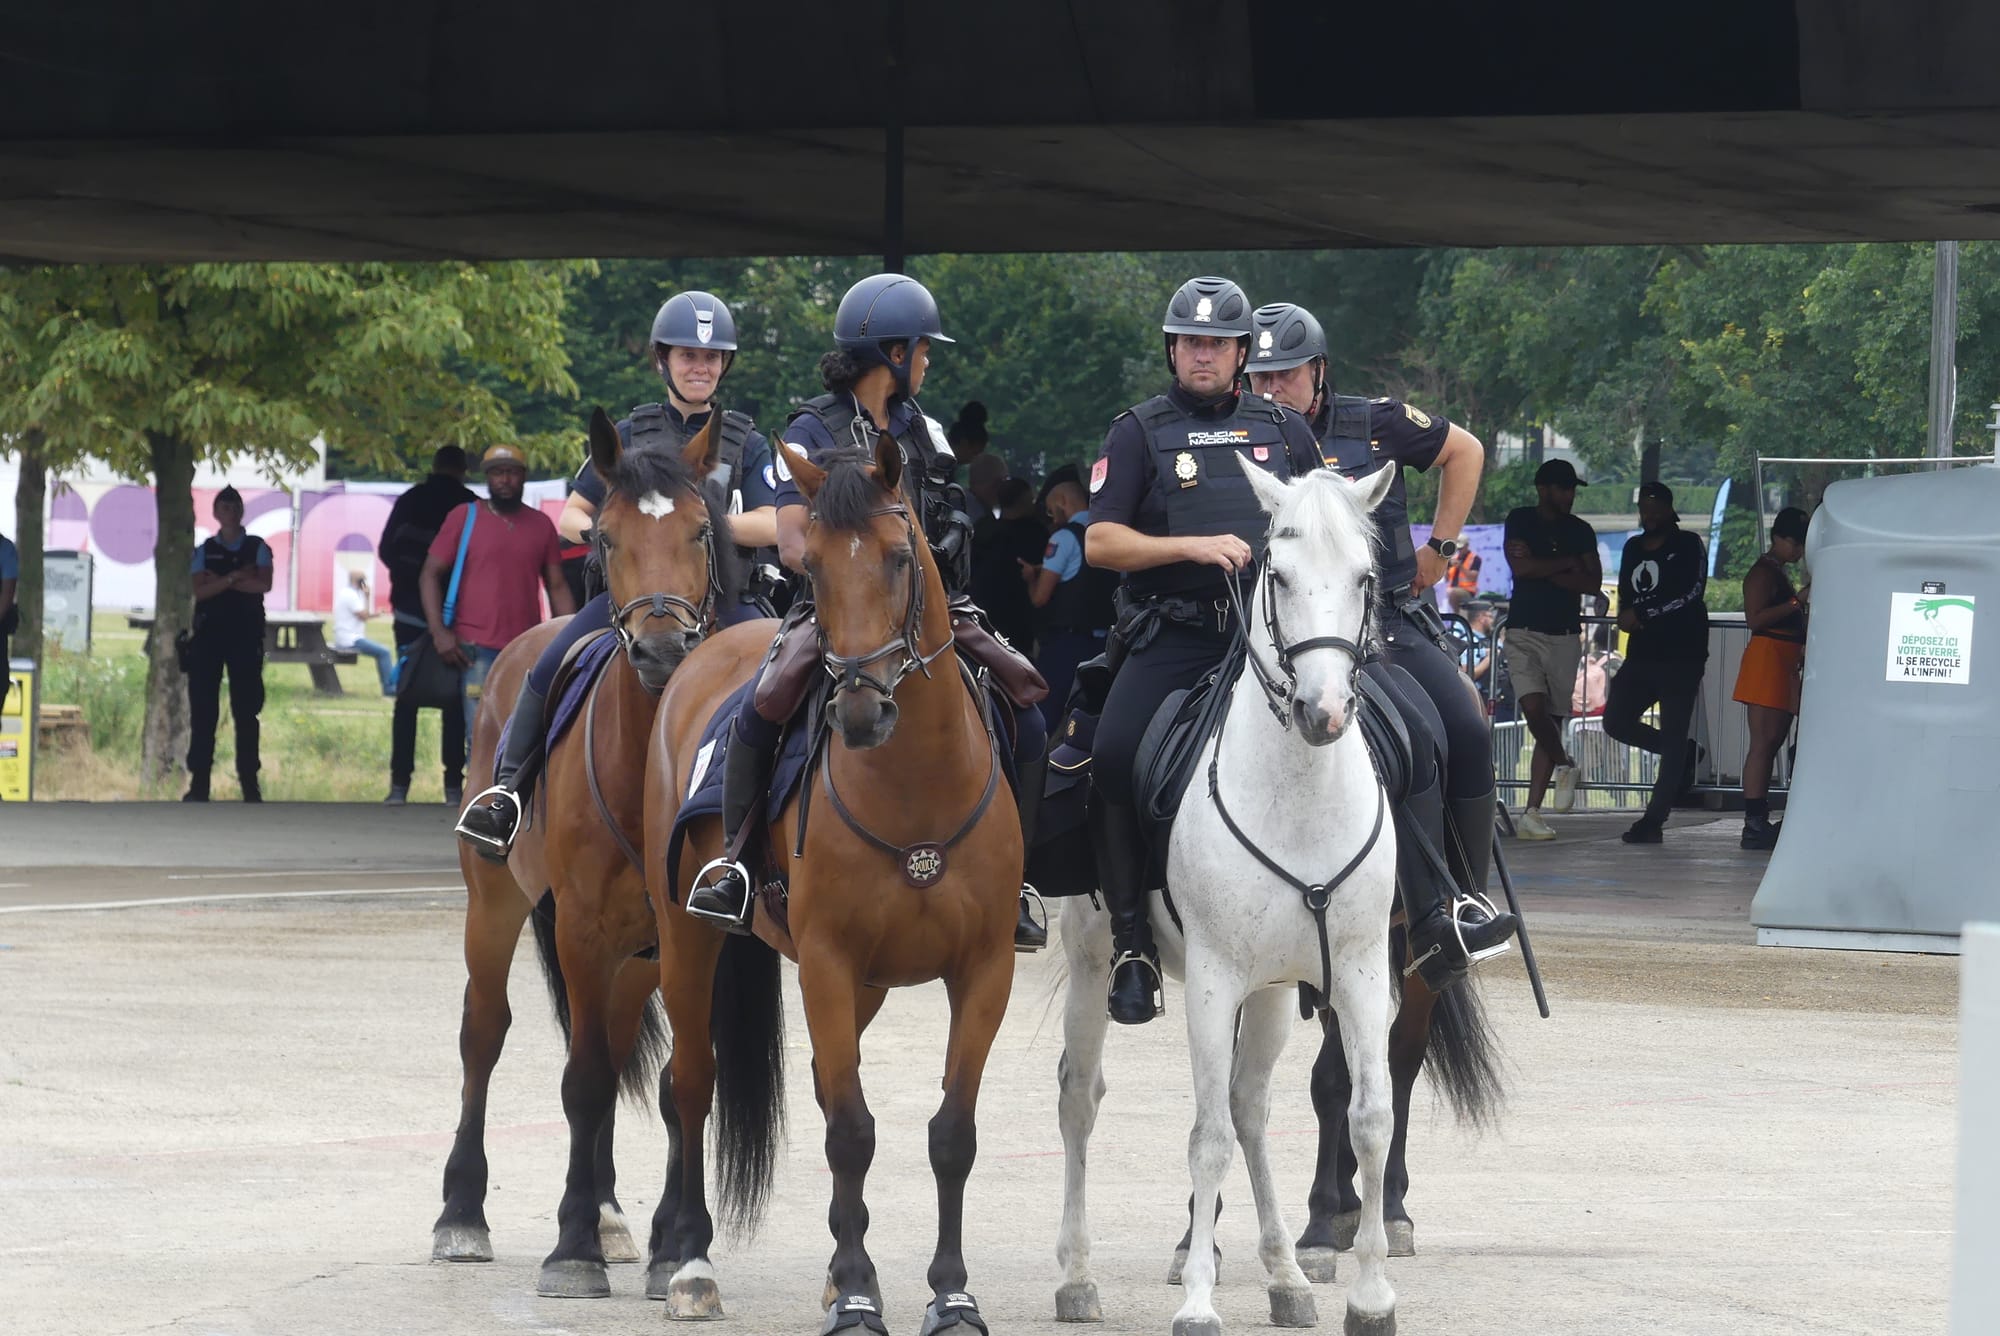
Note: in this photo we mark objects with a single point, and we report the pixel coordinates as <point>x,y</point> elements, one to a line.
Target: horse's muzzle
<point>654,658</point>
<point>864,717</point>
<point>1319,726</point>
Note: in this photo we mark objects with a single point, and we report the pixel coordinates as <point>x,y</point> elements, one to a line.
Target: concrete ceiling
<point>213,129</point>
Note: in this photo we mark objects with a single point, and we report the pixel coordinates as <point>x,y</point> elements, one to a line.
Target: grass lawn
<point>315,748</point>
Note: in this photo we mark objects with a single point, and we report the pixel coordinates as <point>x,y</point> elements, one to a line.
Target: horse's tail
<point>638,1081</point>
<point>747,1025</point>
<point>1463,1062</point>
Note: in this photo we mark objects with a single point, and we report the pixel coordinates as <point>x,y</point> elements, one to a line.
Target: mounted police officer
<point>1357,437</point>
<point>885,328</point>
<point>693,347</point>
<point>1170,508</point>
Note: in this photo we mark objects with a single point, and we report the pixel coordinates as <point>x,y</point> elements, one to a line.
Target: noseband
<point>850,670</point>
<point>1281,688</point>
<point>695,619</point>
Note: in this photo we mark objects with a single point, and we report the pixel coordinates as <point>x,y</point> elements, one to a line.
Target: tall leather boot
<point>493,818</point>
<point>721,890</point>
<point>1447,930</point>
<point>1136,995</point>
<point>1031,933</point>
<point>1470,850</point>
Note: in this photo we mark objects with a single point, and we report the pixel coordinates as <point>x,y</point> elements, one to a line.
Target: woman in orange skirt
<point>1768,680</point>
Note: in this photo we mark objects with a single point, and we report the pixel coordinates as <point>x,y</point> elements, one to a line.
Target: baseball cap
<point>1659,491</point>
<point>1558,473</point>
<point>1079,732</point>
<point>503,456</point>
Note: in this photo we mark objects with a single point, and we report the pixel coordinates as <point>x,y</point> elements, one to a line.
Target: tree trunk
<point>165,741</point>
<point>29,494</point>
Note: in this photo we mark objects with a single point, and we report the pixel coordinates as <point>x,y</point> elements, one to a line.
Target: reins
<point>847,670</point>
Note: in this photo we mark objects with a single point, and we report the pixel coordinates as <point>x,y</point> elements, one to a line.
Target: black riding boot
<point>1031,933</point>
<point>724,896</point>
<point>1448,930</point>
<point>1470,851</point>
<point>493,819</point>
<point>1136,996</point>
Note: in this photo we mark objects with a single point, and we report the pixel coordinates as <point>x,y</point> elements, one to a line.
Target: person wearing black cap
<point>232,573</point>
<point>1661,580</point>
<point>1553,555</point>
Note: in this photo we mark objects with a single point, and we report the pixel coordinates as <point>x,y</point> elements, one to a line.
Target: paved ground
<point>228,1112</point>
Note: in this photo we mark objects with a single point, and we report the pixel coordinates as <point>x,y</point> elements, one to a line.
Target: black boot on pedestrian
<point>1031,929</point>
<point>1759,833</point>
<point>252,791</point>
<point>721,892</point>
<point>197,787</point>
<point>1136,994</point>
<point>493,819</point>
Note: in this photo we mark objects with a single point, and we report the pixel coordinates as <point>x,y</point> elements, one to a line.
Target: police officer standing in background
<point>232,573</point>
<point>1359,436</point>
<point>1170,507</point>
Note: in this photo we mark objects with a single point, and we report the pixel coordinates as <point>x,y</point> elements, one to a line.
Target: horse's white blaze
<point>854,547</point>
<point>654,506</point>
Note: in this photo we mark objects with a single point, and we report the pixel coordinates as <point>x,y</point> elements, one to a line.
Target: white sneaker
<point>1530,826</point>
<point>1564,782</point>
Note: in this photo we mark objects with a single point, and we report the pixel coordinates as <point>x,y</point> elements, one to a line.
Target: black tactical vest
<point>1347,443</point>
<point>653,427</point>
<point>1087,600</point>
<point>1202,487</point>
<point>937,501</point>
<point>236,612</point>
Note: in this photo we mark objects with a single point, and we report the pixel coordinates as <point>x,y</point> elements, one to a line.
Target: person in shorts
<point>1554,559</point>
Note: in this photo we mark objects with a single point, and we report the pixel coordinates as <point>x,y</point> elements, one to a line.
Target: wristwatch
<point>1444,547</point>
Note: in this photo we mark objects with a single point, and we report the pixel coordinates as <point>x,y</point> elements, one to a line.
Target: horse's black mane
<point>850,496</point>
<point>644,472</point>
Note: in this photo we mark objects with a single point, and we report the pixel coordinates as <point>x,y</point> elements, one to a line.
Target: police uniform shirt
<point>756,480</point>
<point>1124,486</point>
<point>1399,436</point>
<point>808,435</point>
<point>263,553</point>
<point>1064,555</point>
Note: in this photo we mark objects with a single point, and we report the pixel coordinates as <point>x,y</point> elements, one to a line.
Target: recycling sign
<point>1930,638</point>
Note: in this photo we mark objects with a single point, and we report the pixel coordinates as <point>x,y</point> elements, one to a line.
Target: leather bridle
<point>695,619</point>
<point>1280,688</point>
<point>850,670</point>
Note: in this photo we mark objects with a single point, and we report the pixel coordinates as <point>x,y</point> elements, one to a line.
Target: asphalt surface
<point>227,1106</point>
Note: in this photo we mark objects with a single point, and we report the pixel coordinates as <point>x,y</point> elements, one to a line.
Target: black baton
<point>1521,930</point>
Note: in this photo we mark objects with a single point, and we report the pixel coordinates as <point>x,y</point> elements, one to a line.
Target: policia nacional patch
<point>1186,469</point>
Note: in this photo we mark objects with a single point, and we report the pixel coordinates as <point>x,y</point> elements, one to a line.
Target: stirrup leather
<point>703,881</point>
<point>487,801</point>
<point>1454,916</point>
<point>1152,968</point>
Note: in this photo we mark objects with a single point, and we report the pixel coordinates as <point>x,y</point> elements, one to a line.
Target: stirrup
<point>1439,973</point>
<point>1038,915</point>
<point>486,845</point>
<point>1458,907</point>
<point>1153,968</point>
<point>731,921</point>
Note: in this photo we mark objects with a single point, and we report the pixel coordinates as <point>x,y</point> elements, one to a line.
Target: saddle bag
<point>789,666</point>
<point>1009,670</point>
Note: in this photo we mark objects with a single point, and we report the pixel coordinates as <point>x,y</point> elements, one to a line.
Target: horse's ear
<point>605,447</point>
<point>1270,488</point>
<point>888,461</point>
<point>702,453</point>
<point>809,476</point>
<point>1375,487</point>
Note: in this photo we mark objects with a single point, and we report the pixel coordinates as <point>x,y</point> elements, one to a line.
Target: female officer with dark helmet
<point>1358,436</point>
<point>693,347</point>
<point>885,327</point>
<point>1169,507</point>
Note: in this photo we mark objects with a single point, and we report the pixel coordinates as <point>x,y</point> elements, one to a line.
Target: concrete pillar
<point>1975,1281</point>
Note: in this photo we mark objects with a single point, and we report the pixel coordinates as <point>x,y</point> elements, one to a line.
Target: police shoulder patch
<point>778,459</point>
<point>1417,415</point>
<point>1098,473</point>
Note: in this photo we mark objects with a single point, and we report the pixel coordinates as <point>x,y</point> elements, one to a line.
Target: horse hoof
<point>573,1278</point>
<point>1077,1302</point>
<point>1402,1238</point>
<point>1180,1264</point>
<point>1318,1264</point>
<point>1364,1324</point>
<point>660,1279</point>
<point>614,1239</point>
<point>1293,1308</point>
<point>1197,1326</point>
<point>461,1243</point>
<point>694,1300</point>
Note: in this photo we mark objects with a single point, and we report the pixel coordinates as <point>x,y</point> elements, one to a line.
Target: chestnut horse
<point>574,864</point>
<point>909,871</point>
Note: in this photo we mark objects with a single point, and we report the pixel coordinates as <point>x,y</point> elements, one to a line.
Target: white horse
<point>1284,797</point>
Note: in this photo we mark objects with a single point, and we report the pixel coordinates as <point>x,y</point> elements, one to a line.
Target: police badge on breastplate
<point>1186,469</point>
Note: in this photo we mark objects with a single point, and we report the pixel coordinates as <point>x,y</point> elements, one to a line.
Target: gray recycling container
<point>1888,830</point>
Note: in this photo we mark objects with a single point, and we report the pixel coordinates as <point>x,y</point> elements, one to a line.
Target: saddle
<point>574,679</point>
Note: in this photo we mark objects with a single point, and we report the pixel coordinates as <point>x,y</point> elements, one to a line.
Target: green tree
<point>151,368</point>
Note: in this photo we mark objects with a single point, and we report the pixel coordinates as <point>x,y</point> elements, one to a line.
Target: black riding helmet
<point>883,309</point>
<point>694,320</point>
<point>1287,335</point>
<point>1209,305</point>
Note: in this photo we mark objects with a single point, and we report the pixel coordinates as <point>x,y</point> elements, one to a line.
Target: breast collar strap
<point>850,670</point>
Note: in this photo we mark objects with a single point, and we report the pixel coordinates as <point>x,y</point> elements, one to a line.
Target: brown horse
<point>574,865</point>
<point>909,872</point>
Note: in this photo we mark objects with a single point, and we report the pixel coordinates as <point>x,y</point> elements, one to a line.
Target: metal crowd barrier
<point>1614,776</point>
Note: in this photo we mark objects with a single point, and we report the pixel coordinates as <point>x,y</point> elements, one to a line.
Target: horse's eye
<point>1278,579</point>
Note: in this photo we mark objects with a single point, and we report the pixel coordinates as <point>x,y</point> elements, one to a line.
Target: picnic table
<point>289,637</point>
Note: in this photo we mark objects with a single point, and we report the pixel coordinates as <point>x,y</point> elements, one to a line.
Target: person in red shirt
<point>514,555</point>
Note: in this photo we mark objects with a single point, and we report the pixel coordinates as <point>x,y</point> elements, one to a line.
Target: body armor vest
<point>1348,445</point>
<point>235,612</point>
<point>653,427</point>
<point>1201,485</point>
<point>937,501</point>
